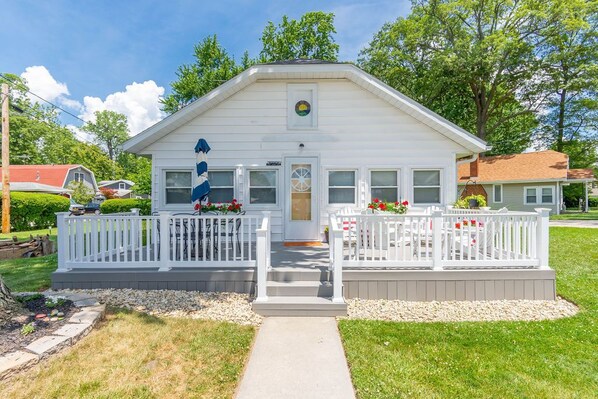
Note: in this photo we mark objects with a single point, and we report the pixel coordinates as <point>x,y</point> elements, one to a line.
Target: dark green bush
<point>125,205</point>
<point>593,202</point>
<point>30,211</point>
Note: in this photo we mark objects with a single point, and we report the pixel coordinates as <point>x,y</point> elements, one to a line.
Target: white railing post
<point>268,240</point>
<point>62,239</point>
<point>543,237</point>
<point>164,241</point>
<point>262,235</point>
<point>135,240</point>
<point>437,240</point>
<point>336,237</point>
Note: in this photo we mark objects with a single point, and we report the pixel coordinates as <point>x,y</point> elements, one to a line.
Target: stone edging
<point>78,326</point>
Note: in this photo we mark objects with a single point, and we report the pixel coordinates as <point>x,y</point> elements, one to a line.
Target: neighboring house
<point>53,179</point>
<point>122,188</point>
<point>303,140</point>
<point>522,182</point>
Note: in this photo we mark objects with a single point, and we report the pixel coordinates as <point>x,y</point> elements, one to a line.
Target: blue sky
<point>98,49</point>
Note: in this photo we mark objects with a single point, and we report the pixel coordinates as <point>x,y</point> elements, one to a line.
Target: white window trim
<point>291,104</point>
<point>122,186</point>
<point>234,186</point>
<point>398,186</point>
<point>538,190</point>
<point>355,186</point>
<point>81,174</point>
<point>502,194</point>
<point>246,200</point>
<point>441,186</point>
<point>163,189</point>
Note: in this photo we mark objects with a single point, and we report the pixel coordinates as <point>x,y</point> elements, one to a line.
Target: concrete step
<point>299,288</point>
<point>287,274</point>
<point>289,306</point>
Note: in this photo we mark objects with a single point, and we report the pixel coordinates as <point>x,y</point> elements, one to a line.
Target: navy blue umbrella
<point>202,185</point>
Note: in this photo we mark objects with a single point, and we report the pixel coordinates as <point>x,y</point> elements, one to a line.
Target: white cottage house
<point>351,135</point>
<point>297,142</point>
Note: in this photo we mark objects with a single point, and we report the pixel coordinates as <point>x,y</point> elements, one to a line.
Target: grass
<point>591,215</point>
<point>21,235</point>
<point>28,274</point>
<point>549,359</point>
<point>133,355</point>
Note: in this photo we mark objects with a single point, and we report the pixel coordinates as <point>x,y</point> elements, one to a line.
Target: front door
<point>301,199</point>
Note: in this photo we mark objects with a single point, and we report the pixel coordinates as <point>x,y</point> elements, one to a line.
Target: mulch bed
<point>11,336</point>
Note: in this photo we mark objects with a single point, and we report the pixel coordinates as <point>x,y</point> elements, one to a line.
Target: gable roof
<point>305,71</point>
<point>52,175</point>
<point>109,182</point>
<point>581,174</point>
<point>532,166</point>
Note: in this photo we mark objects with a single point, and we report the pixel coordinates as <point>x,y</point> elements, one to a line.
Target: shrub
<point>30,211</point>
<point>593,202</point>
<point>125,205</point>
<point>82,193</point>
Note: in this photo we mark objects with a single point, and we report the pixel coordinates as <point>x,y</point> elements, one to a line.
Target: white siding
<point>356,129</point>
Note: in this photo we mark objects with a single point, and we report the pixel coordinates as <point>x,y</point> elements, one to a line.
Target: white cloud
<point>140,103</point>
<point>41,82</point>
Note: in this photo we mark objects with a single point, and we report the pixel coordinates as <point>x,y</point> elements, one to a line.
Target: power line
<point>43,99</point>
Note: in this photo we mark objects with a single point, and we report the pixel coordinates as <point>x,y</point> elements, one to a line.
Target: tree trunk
<point>6,299</point>
<point>561,121</point>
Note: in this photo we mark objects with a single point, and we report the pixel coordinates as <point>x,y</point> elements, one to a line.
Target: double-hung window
<point>384,185</point>
<point>121,186</point>
<point>79,176</point>
<point>341,187</point>
<point>427,188</point>
<point>497,193</point>
<point>539,195</point>
<point>222,186</point>
<point>178,186</point>
<point>263,187</point>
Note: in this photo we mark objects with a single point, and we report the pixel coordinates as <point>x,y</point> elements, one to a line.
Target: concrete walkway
<point>297,357</point>
<point>575,223</point>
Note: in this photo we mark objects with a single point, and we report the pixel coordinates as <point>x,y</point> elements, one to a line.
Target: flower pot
<point>473,203</point>
<point>326,236</point>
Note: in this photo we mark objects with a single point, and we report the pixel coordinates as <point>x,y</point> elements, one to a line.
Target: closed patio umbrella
<point>202,185</point>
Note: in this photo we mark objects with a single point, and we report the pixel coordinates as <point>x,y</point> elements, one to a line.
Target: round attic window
<point>302,108</point>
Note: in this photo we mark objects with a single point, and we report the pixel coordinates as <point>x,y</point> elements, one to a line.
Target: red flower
<point>397,203</point>
<point>383,206</point>
<point>376,200</point>
<point>209,204</point>
<point>234,201</point>
<point>405,203</point>
<point>197,206</point>
<point>457,225</point>
<point>371,206</point>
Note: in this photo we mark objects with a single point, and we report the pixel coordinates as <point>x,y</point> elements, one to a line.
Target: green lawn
<point>591,215</point>
<point>550,359</point>
<point>134,355</point>
<point>28,274</point>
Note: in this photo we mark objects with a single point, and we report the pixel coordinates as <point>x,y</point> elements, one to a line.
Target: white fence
<point>163,241</point>
<point>439,241</point>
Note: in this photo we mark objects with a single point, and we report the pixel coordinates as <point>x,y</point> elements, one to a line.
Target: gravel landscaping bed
<point>512,310</point>
<point>14,336</point>
<point>220,306</point>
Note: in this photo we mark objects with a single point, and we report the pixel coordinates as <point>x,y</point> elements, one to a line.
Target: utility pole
<point>5,162</point>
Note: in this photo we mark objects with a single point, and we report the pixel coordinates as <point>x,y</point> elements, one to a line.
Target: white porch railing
<point>439,241</point>
<point>163,241</point>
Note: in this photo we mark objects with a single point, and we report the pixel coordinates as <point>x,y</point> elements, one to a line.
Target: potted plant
<point>389,207</point>
<point>471,202</point>
<point>326,234</point>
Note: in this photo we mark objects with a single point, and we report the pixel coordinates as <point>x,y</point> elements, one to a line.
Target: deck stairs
<point>299,290</point>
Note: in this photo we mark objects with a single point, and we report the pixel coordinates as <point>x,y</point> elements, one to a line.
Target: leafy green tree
<point>570,62</point>
<point>82,193</point>
<point>94,158</point>
<point>109,131</point>
<point>212,67</point>
<point>471,61</point>
<point>312,36</point>
<point>137,169</point>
